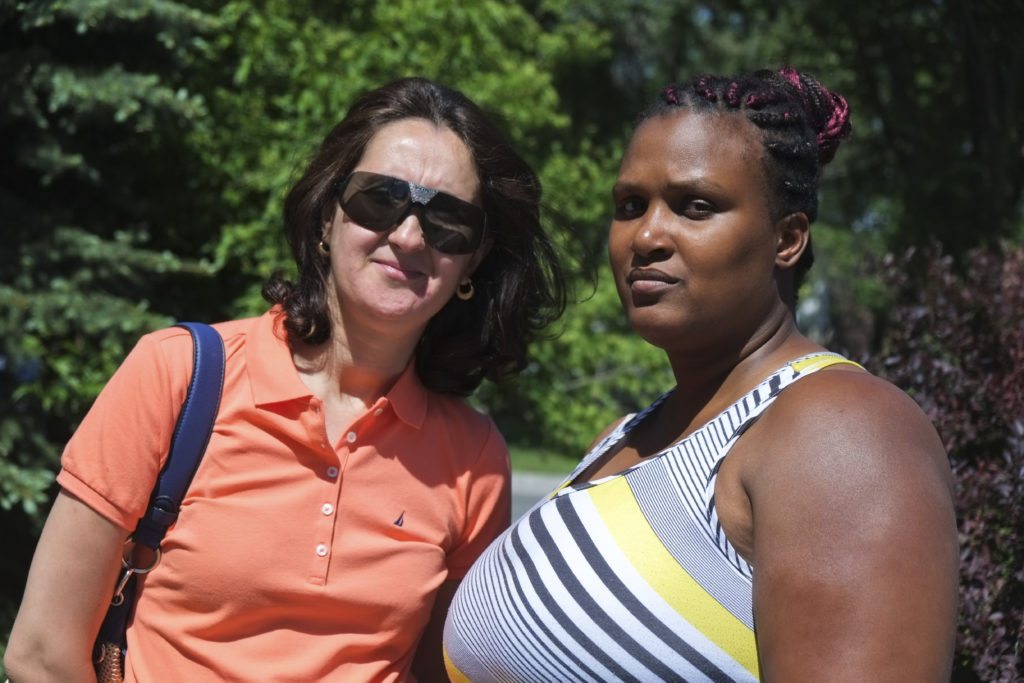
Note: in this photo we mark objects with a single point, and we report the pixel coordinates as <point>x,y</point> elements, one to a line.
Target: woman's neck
<point>718,377</point>
<point>356,362</point>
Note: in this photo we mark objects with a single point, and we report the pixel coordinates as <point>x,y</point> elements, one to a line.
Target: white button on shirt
<point>332,472</point>
<point>327,508</point>
<point>321,550</point>
<point>350,437</point>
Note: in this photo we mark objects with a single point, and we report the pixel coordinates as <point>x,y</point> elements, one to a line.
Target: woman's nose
<point>650,238</point>
<point>408,234</point>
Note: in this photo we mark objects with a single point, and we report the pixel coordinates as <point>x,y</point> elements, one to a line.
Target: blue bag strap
<point>188,443</point>
<point>191,434</point>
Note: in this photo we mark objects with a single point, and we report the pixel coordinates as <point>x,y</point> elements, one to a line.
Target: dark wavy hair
<point>520,286</point>
<point>801,122</point>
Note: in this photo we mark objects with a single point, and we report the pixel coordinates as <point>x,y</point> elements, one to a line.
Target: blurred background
<point>147,145</point>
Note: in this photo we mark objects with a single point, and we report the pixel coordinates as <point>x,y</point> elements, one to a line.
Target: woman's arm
<point>67,594</point>
<point>855,542</point>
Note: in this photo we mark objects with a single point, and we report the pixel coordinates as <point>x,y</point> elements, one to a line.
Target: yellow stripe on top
<point>626,523</point>
<point>819,361</point>
<point>454,675</point>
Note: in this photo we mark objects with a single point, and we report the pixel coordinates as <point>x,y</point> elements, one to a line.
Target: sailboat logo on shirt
<point>401,519</point>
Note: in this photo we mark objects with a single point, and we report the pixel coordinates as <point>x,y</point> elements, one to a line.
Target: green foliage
<point>89,231</point>
<point>577,183</point>
<point>105,214</point>
<point>281,83</point>
<point>842,297</point>
<point>593,372</point>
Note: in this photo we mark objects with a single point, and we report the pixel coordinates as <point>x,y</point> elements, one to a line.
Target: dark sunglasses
<point>380,202</point>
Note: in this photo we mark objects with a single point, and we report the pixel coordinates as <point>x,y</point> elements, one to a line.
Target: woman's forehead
<point>688,141</point>
<point>424,153</point>
<point>688,129</point>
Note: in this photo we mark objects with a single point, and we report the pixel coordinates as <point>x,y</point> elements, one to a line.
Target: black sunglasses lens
<point>453,226</point>
<point>378,202</point>
<point>374,201</point>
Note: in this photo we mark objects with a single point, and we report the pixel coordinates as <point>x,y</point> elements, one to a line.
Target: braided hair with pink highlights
<point>801,121</point>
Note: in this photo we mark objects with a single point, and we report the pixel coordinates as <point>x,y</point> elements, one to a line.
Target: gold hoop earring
<point>465,290</point>
<point>323,248</point>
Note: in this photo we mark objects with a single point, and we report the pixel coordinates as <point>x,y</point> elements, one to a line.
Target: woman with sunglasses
<point>779,515</point>
<point>347,486</point>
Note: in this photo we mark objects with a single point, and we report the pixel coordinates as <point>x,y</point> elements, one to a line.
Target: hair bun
<point>828,112</point>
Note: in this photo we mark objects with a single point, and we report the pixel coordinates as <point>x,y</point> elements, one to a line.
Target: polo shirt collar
<point>408,397</point>
<point>268,358</point>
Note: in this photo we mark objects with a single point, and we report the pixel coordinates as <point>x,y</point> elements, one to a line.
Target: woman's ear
<point>793,232</point>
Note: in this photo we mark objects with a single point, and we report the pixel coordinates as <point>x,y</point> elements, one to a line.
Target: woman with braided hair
<point>823,548</point>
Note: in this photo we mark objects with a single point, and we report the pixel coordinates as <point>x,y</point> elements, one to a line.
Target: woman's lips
<point>394,270</point>
<point>642,280</point>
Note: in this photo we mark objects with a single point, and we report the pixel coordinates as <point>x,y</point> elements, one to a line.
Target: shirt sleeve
<point>488,504</point>
<point>112,461</point>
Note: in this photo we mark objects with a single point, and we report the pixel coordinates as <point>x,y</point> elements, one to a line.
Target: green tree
<point>101,240</point>
<point>105,212</point>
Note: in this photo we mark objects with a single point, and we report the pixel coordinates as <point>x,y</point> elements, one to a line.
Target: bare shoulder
<point>855,548</point>
<point>854,449</point>
<point>827,415</point>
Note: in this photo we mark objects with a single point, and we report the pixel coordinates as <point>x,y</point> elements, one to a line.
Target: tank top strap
<point>819,361</point>
<point>747,409</point>
<point>764,394</point>
<point>601,447</point>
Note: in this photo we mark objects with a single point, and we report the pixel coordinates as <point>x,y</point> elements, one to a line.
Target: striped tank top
<point>626,578</point>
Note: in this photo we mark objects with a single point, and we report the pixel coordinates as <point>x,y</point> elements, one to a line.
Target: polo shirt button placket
<point>316,409</point>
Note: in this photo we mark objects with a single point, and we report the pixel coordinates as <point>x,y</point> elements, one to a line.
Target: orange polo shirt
<point>292,559</point>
